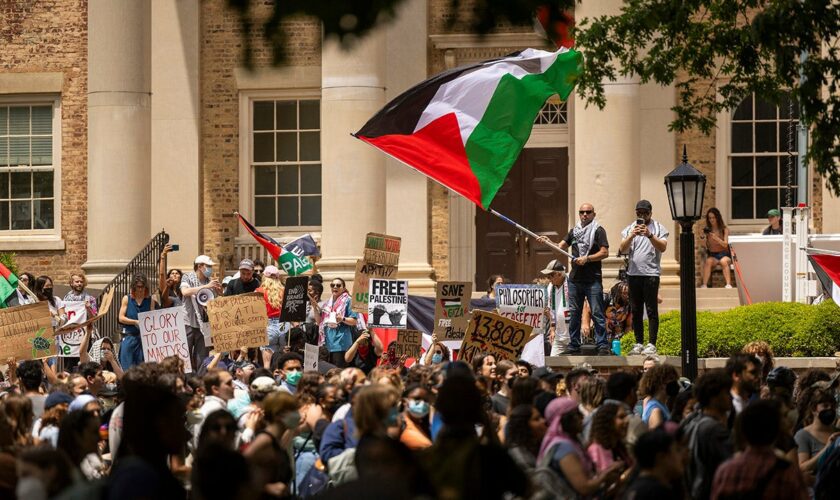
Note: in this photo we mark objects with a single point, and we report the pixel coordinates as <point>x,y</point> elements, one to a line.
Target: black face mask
<point>827,417</point>
<point>47,292</point>
<point>672,389</point>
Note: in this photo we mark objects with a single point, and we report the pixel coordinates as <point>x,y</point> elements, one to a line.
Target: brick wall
<point>51,36</point>
<point>221,54</point>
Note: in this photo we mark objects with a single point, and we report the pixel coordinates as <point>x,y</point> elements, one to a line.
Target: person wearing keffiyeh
<point>589,246</point>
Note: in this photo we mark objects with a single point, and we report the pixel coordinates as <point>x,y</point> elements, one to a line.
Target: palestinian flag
<point>827,267</point>
<point>465,127</point>
<point>452,308</point>
<point>8,284</point>
<point>288,261</point>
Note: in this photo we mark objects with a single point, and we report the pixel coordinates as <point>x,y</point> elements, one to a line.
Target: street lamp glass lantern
<point>685,185</point>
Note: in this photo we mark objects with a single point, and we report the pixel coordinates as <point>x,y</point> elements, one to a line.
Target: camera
<point>176,247</point>
<point>707,230</point>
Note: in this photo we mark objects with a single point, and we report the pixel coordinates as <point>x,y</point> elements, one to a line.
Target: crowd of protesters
<point>253,424</point>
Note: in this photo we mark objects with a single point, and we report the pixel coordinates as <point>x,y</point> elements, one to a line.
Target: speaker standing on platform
<point>644,241</point>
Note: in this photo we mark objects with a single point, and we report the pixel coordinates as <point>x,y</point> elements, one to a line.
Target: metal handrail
<point>146,262</point>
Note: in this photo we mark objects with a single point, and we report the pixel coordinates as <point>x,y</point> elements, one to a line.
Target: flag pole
<point>531,233</point>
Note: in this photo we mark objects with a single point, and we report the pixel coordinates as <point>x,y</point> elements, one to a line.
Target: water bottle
<point>616,347</point>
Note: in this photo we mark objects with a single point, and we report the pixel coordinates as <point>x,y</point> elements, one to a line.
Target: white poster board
<point>163,334</point>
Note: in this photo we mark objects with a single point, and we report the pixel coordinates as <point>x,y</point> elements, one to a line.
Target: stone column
<point>119,114</point>
<point>407,200</point>
<point>606,152</point>
<point>353,173</point>
<point>175,125</point>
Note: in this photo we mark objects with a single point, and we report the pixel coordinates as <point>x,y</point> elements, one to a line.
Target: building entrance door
<point>535,194</point>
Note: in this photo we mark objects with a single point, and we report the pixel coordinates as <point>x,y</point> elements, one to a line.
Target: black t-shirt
<point>646,487</point>
<point>591,271</point>
<point>238,287</point>
<point>769,230</point>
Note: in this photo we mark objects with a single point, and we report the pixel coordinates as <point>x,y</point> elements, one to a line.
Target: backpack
<point>548,483</point>
<point>828,475</point>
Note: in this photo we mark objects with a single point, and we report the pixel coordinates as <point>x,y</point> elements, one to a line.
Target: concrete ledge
<point>31,83</point>
<point>607,364</point>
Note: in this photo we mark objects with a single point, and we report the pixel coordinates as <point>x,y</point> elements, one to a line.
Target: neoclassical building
<point>119,118</point>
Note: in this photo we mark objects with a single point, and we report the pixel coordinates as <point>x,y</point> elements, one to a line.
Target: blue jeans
<point>594,292</point>
<point>277,333</point>
<point>131,351</point>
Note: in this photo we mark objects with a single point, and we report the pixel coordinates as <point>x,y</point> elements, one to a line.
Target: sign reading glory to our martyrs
<point>491,333</point>
<point>294,299</point>
<point>388,303</point>
<point>238,321</point>
<point>162,334</point>
<point>26,332</point>
<point>452,301</point>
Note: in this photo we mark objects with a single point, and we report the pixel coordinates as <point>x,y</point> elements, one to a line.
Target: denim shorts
<point>719,255</point>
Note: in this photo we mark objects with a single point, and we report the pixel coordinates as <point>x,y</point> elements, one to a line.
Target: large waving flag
<point>827,268</point>
<point>466,127</point>
<point>290,262</point>
<point>8,283</point>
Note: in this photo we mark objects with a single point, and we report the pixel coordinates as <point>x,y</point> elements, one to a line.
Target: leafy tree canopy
<point>716,52</point>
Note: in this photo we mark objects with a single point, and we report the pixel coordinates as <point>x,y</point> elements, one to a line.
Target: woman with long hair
<point>78,437</point>
<point>139,299</point>
<point>606,443</point>
<point>20,417</point>
<point>337,322</point>
<point>658,386</point>
<point>270,453</point>
<point>272,290</point>
<point>44,291</point>
<point>169,283</point>
<point>717,245</point>
<point>524,433</point>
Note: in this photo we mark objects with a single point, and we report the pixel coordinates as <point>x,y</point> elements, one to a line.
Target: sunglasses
<point>586,212</point>
<point>641,213</point>
<point>335,285</point>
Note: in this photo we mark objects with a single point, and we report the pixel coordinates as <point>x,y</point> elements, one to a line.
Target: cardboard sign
<point>162,334</point>
<point>361,282</point>
<point>491,333</point>
<point>294,299</point>
<point>104,307</point>
<point>382,249</point>
<point>26,332</point>
<point>408,343</point>
<point>67,344</point>
<point>452,302</point>
<point>525,304</point>
<point>388,303</point>
<point>238,321</point>
<point>310,357</point>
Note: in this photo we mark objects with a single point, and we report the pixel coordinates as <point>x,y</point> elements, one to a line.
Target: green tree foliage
<point>716,52</point>
<point>791,329</point>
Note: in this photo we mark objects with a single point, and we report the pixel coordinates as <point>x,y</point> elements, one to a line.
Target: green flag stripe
<point>504,129</point>
<point>6,290</point>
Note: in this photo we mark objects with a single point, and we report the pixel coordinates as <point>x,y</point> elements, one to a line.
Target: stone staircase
<point>708,299</point>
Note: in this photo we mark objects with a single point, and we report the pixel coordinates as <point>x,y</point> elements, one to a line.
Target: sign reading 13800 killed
<point>388,303</point>
<point>451,303</point>
<point>493,334</point>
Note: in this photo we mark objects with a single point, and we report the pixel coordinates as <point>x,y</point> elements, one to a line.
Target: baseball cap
<point>271,271</point>
<point>644,205</point>
<point>246,264</point>
<point>774,212</point>
<point>264,384</point>
<point>554,266</point>
<point>57,398</point>
<point>203,259</point>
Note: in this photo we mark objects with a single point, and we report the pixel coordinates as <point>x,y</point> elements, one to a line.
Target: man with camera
<point>195,314</point>
<point>644,241</point>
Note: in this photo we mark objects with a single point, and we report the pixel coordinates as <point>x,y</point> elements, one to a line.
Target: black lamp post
<point>685,185</point>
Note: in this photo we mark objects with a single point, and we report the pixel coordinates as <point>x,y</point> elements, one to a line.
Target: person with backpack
<point>707,435</point>
<point>758,473</point>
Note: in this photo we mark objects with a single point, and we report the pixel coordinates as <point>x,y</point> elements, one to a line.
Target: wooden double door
<point>535,194</point>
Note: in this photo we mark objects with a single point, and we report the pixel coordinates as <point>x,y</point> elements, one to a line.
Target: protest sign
<point>491,333</point>
<point>294,299</point>
<point>67,344</point>
<point>26,332</point>
<point>104,307</point>
<point>162,334</point>
<point>452,300</point>
<point>408,343</point>
<point>310,357</point>
<point>388,303</point>
<point>361,282</point>
<point>524,303</point>
<point>238,321</point>
<point>382,249</point>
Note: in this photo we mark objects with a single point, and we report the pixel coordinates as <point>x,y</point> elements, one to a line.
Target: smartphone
<point>640,222</point>
<point>176,247</point>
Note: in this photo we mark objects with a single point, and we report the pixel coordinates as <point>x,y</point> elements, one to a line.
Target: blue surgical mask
<point>437,358</point>
<point>208,271</point>
<point>418,408</point>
